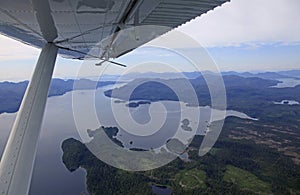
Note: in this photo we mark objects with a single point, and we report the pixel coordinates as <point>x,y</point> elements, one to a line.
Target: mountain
<point>240,91</point>
<point>11,94</point>
<point>161,89</point>
<point>192,75</point>
<point>264,75</point>
<point>291,73</point>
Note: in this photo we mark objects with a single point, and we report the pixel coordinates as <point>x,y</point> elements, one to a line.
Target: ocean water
<point>50,175</point>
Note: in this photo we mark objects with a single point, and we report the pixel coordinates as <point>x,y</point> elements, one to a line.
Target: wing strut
<point>18,157</point>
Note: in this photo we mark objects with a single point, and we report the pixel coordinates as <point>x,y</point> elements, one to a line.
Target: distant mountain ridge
<point>293,74</point>
<point>11,93</point>
<point>240,91</point>
<point>158,89</point>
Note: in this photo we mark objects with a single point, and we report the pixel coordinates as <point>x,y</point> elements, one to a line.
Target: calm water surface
<point>287,83</point>
<point>50,177</point>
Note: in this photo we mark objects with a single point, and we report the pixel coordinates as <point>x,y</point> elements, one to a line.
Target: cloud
<point>11,50</point>
<point>247,22</point>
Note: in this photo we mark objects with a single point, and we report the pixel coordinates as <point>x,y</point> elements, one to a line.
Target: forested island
<point>246,159</point>
<point>251,95</point>
<point>250,157</point>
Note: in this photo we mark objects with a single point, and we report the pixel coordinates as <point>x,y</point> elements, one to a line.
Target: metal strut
<point>18,157</point>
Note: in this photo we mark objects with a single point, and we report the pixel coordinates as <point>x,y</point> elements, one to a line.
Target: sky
<point>240,35</point>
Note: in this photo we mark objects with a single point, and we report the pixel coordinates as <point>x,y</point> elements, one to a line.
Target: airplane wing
<point>76,26</point>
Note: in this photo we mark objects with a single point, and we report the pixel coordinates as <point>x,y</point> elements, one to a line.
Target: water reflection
<point>50,175</point>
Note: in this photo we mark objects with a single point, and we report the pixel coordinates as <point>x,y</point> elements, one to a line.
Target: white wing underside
<point>78,25</point>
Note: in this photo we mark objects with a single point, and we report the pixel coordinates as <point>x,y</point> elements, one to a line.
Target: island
<point>250,156</point>
<point>137,104</point>
<point>239,163</point>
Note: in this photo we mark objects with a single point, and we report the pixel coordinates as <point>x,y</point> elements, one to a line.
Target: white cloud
<point>11,49</point>
<point>248,22</point>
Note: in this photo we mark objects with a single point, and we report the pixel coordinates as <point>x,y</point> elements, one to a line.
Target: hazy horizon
<point>143,73</point>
